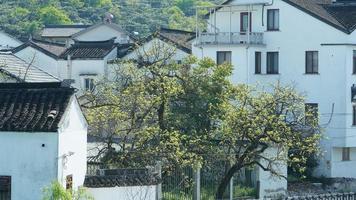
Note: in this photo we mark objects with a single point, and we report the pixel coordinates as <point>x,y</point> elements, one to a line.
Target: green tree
<point>258,121</point>
<point>56,192</point>
<point>53,15</point>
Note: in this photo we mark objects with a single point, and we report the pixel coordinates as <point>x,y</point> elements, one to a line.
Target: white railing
<point>230,38</point>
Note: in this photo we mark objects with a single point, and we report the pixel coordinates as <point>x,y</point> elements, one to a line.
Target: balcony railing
<point>230,38</point>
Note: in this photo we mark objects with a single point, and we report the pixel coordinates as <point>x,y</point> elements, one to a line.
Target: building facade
<point>310,45</point>
<point>43,136</point>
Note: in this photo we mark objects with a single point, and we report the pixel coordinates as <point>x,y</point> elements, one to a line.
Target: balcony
<point>252,38</point>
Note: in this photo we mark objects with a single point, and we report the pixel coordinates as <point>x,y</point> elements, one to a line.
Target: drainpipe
<point>69,67</point>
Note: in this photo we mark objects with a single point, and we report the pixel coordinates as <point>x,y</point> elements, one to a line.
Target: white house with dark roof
<point>310,44</point>
<point>178,42</point>
<point>82,61</point>
<point>43,54</point>
<point>43,136</point>
<point>66,34</point>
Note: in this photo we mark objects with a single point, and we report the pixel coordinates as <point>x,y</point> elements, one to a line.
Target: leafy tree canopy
<point>25,17</point>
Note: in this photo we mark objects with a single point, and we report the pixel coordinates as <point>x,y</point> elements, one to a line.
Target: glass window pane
<point>276,19</point>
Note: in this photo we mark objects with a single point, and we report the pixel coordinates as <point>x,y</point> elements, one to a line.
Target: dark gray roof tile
<point>27,107</point>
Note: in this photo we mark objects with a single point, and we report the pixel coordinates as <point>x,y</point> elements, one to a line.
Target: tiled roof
<point>339,15</point>
<point>182,39</point>
<point>90,49</point>
<point>16,67</point>
<point>51,49</point>
<point>32,107</point>
<point>124,49</point>
<point>121,178</point>
<point>62,30</point>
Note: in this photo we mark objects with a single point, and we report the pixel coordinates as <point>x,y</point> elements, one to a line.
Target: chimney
<point>108,18</point>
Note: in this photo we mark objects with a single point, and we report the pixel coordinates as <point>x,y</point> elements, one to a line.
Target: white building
<point>66,34</point>
<point>176,42</point>
<point>7,41</point>
<point>82,61</point>
<point>43,136</point>
<point>14,69</point>
<point>309,44</point>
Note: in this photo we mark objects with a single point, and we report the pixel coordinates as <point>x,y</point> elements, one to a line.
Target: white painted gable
<point>102,32</point>
<point>7,41</point>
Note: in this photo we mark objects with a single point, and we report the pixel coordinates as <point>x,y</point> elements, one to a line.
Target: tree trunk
<point>226,180</point>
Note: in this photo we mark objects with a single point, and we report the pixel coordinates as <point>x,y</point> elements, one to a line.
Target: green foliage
<point>53,15</point>
<point>56,192</point>
<point>185,115</point>
<point>25,17</point>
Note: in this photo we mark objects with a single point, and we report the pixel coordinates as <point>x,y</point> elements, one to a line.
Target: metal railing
<point>230,38</point>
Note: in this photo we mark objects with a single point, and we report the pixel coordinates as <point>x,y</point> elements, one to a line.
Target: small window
<point>5,187</point>
<point>354,115</point>
<point>69,182</point>
<point>345,154</point>
<point>89,84</point>
<point>354,63</point>
<point>223,56</point>
<point>257,62</point>
<point>272,63</point>
<point>272,19</point>
<point>311,113</point>
<point>245,22</point>
<point>311,62</point>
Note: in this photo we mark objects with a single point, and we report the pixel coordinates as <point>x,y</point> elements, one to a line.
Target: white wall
<point>72,139</point>
<point>7,41</point>
<point>271,185</point>
<point>41,60</point>
<point>299,32</point>
<point>103,32</point>
<point>31,166</point>
<point>124,193</point>
<point>156,44</point>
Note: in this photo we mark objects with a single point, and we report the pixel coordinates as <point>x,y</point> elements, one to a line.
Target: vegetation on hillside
<point>24,17</point>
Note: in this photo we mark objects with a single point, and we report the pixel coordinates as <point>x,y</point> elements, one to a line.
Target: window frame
<point>225,57</point>
<point>69,182</point>
<point>353,115</point>
<point>354,62</point>
<point>311,68</point>
<point>249,19</point>
<point>3,180</point>
<point>346,154</point>
<point>91,84</point>
<point>258,62</point>
<point>274,69</point>
<point>273,26</point>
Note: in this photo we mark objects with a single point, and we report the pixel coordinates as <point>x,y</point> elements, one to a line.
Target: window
<point>245,22</point>
<point>223,56</point>
<point>345,154</point>
<point>354,63</point>
<point>354,115</point>
<point>5,187</point>
<point>311,113</point>
<point>257,62</point>
<point>69,182</point>
<point>272,19</point>
<point>272,63</point>
<point>311,62</point>
<point>89,84</point>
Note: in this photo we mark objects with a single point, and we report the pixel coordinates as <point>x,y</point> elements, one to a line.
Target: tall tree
<point>257,122</point>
